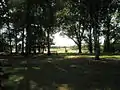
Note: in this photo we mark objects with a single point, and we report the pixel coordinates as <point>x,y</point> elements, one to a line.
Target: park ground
<point>61,71</point>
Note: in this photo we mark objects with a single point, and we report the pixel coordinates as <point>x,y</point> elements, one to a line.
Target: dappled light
<point>78,56</point>
<point>60,44</point>
<point>66,75</point>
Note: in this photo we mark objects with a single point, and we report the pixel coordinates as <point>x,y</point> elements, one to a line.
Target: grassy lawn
<point>64,71</point>
<point>111,57</point>
<point>117,57</point>
<point>72,53</point>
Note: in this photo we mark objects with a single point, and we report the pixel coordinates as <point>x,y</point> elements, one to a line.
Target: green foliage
<point>30,25</point>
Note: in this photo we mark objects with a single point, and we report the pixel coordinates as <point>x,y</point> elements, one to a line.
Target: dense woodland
<point>28,26</point>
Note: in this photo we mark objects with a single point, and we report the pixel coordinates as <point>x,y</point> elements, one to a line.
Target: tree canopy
<point>29,25</point>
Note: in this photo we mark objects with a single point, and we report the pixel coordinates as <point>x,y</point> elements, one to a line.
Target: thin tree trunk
<point>107,44</point>
<point>10,45</point>
<point>28,44</point>
<point>23,41</point>
<point>48,41</point>
<point>28,30</point>
<point>79,47</point>
<point>39,49</point>
<point>28,41</point>
<point>16,48</point>
<point>107,40</point>
<point>34,48</point>
<point>96,44</point>
<point>10,40</point>
<point>90,48</point>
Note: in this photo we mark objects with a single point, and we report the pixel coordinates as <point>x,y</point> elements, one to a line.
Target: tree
<point>88,38</point>
<point>96,10</point>
<point>111,11</point>
<point>73,21</point>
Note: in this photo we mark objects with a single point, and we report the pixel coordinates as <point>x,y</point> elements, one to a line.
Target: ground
<point>68,71</point>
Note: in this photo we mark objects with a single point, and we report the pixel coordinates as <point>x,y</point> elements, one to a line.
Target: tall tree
<point>96,10</point>
<point>110,12</point>
<point>88,37</point>
<point>73,21</point>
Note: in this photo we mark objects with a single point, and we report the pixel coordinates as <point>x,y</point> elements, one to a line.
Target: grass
<point>78,56</point>
<point>111,57</point>
<point>15,78</point>
<point>65,71</point>
<point>72,53</point>
<point>62,50</point>
<point>116,57</point>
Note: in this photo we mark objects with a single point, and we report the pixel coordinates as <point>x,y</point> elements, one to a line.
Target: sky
<point>62,41</point>
<point>65,41</point>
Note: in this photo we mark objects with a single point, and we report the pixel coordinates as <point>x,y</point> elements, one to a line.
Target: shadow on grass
<point>67,75</point>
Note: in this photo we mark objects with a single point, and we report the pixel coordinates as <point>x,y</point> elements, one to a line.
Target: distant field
<point>69,50</point>
<point>71,53</point>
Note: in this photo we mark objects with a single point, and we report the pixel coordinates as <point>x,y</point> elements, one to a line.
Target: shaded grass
<point>75,74</point>
<point>73,71</point>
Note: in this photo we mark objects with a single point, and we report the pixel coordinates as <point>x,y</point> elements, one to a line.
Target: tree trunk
<point>28,41</point>
<point>107,44</point>
<point>107,39</point>
<point>16,48</point>
<point>39,49</point>
<point>96,44</point>
<point>4,4</point>
<point>23,41</point>
<point>28,44</point>
<point>48,41</point>
<point>79,47</point>
<point>10,40</point>
<point>28,30</point>
<point>10,45</point>
<point>34,48</point>
<point>90,48</point>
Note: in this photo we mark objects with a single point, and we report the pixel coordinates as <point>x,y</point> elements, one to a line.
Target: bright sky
<point>65,41</point>
<point>62,41</point>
